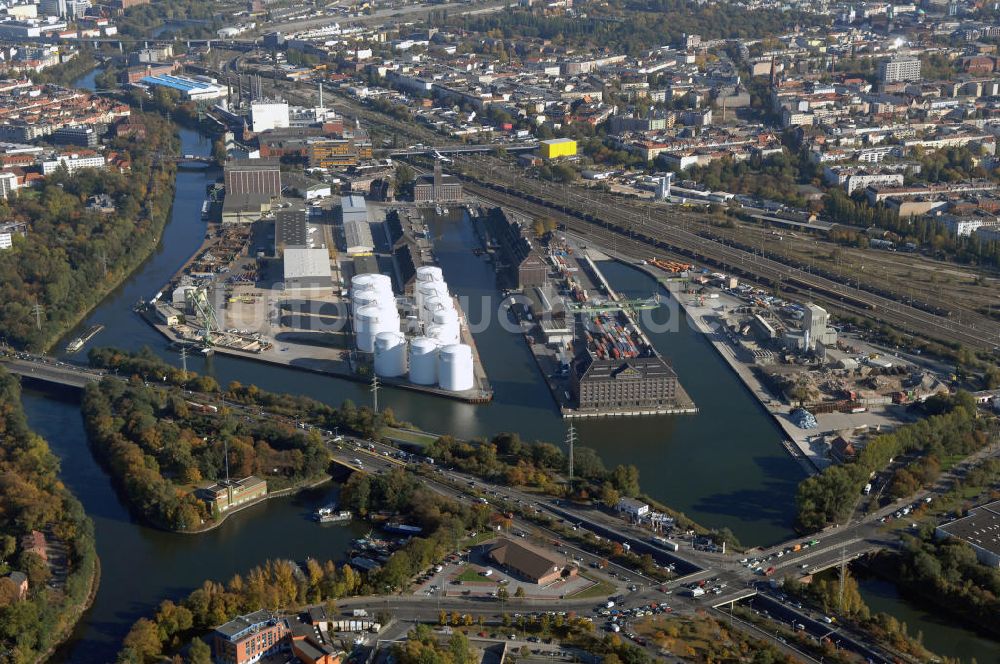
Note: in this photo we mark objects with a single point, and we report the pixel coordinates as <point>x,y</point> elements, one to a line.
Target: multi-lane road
<point>733,576</point>
<point>734,579</point>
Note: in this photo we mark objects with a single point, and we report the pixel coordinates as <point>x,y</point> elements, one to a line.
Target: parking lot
<point>470,573</point>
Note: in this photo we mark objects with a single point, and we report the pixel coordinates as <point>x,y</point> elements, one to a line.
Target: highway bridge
<point>50,370</point>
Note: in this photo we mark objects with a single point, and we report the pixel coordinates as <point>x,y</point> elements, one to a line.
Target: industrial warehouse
<point>597,360</point>
<point>351,290</point>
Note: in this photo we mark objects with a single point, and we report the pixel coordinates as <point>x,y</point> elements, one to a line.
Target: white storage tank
<point>427,290</point>
<point>455,372</point>
<point>446,334</point>
<point>390,354</point>
<point>445,322</point>
<point>376,283</point>
<point>445,317</point>
<point>432,306</point>
<point>428,273</point>
<point>368,322</point>
<point>362,299</point>
<point>423,360</point>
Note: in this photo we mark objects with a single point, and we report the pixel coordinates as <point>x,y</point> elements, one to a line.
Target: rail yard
<point>631,234</point>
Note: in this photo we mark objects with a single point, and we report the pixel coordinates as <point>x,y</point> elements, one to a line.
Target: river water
<point>940,635</point>
<point>724,466</point>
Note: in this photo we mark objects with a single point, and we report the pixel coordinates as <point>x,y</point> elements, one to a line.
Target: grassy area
<point>410,436</point>
<point>599,589</point>
<point>470,575</point>
<point>949,461</point>
<point>479,538</point>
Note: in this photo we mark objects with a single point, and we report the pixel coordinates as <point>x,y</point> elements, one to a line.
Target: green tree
<point>626,480</point>
<point>142,643</point>
<point>199,652</point>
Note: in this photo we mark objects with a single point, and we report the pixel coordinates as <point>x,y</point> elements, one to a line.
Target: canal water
<point>940,635</point>
<point>142,566</point>
<point>724,467</point>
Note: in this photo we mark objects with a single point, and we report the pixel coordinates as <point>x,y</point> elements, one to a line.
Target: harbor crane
<point>204,312</point>
<point>605,306</point>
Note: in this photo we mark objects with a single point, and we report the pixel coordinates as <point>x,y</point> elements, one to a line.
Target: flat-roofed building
<point>245,208</point>
<point>307,268</point>
<point>980,530</point>
<point>249,638</point>
<point>229,494</point>
<point>634,508</point>
<point>291,229</point>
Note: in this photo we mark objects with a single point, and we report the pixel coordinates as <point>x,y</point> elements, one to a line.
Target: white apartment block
<point>899,69</point>
<point>73,163</point>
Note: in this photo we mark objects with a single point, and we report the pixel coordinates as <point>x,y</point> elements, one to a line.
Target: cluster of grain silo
<point>437,357</point>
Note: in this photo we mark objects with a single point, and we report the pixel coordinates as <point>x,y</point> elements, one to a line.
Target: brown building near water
<point>529,563</point>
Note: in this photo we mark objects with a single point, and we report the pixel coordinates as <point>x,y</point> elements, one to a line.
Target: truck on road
<point>360,613</point>
<point>665,543</point>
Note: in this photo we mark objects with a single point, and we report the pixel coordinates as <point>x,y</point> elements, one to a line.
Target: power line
<point>374,390</point>
<point>184,359</point>
<point>37,310</point>
<point>570,441</point>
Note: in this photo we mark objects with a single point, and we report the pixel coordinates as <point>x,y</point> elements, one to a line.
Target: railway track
<point>637,235</point>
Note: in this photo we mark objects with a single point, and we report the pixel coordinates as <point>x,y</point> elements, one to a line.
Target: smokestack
<point>321,94</point>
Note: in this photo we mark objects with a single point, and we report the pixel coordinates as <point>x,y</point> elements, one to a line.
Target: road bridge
<point>49,370</point>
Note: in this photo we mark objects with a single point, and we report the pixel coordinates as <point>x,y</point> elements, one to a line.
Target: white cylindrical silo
<point>423,360</point>
<point>433,305</point>
<point>455,372</point>
<point>427,290</point>
<point>368,322</point>
<point>390,354</point>
<point>447,331</point>
<point>375,283</point>
<point>445,317</point>
<point>428,273</point>
<point>362,299</point>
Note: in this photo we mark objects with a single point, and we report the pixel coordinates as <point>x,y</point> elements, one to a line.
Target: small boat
<point>78,343</point>
<point>205,209</point>
<point>329,514</point>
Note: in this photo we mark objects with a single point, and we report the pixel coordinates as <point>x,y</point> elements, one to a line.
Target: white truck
<point>360,613</point>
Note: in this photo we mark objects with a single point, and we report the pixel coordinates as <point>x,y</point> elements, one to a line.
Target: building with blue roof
<point>190,88</point>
